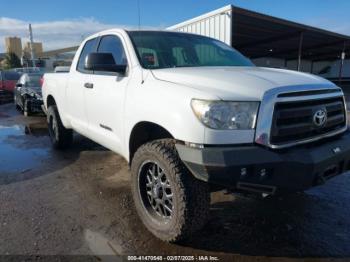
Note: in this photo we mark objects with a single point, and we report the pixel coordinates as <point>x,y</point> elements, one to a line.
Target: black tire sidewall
<point>63,138</point>
<point>26,110</point>
<point>16,102</point>
<point>152,223</point>
<point>191,197</point>
<point>51,116</point>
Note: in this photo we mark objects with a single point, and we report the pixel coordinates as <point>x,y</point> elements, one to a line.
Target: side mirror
<point>103,62</point>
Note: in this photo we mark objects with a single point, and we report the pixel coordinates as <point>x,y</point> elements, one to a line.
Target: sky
<point>63,23</point>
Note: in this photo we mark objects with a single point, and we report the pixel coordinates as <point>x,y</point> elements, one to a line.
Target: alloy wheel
<point>155,190</point>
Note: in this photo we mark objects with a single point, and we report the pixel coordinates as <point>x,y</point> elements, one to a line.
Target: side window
<point>88,48</point>
<point>112,44</point>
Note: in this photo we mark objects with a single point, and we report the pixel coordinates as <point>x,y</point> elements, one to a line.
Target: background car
<point>28,70</point>
<point>27,94</point>
<point>8,80</point>
<point>62,69</point>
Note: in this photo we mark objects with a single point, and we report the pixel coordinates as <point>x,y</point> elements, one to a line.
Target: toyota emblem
<point>320,117</point>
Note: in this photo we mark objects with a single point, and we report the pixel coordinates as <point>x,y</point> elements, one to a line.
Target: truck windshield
<point>158,50</point>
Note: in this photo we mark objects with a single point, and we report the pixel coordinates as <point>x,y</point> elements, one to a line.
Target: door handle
<point>89,85</point>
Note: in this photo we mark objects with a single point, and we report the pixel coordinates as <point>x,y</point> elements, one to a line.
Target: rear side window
<point>112,44</point>
<point>88,48</point>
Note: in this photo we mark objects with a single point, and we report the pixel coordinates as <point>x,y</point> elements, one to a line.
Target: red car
<point>8,80</point>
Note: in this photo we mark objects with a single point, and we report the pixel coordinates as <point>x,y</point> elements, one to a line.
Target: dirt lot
<point>78,202</point>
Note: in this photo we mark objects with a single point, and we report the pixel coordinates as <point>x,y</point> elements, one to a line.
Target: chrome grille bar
<point>313,93</point>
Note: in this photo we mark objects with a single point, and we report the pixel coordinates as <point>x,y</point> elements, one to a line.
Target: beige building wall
<point>37,47</point>
<point>13,45</point>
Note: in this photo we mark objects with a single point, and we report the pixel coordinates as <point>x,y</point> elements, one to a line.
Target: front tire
<point>61,137</point>
<point>171,203</point>
<point>15,102</point>
<point>26,108</point>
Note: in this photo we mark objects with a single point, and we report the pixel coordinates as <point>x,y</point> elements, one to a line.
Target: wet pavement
<point>78,202</point>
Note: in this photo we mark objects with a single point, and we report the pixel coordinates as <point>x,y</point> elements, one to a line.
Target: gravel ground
<point>78,202</point>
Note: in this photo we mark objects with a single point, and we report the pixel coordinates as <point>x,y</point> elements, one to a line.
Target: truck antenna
<point>139,13</point>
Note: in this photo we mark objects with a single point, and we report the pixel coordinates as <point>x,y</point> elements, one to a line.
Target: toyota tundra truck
<point>191,115</point>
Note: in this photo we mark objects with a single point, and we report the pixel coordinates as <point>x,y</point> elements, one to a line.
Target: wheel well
<point>145,132</point>
<point>50,101</point>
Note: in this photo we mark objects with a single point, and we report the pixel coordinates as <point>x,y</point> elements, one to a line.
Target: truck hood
<point>243,83</point>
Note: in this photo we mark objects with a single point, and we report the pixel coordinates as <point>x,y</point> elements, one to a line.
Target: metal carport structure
<point>257,35</point>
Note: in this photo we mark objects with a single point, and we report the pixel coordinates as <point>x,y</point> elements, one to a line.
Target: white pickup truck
<point>192,115</point>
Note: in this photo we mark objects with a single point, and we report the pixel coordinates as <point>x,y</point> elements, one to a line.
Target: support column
<point>301,38</point>
<point>342,58</point>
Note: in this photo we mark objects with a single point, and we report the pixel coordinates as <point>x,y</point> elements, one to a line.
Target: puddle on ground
<point>36,129</point>
<point>3,115</point>
<point>13,157</point>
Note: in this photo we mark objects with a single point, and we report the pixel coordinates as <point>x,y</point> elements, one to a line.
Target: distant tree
<point>12,61</point>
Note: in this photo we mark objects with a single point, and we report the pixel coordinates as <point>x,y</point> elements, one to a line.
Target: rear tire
<point>61,137</point>
<point>171,203</point>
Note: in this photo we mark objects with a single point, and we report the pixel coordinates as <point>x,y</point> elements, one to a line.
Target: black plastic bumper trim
<point>291,169</point>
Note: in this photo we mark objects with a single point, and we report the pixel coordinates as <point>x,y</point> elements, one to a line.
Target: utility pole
<point>139,13</point>
<point>31,45</point>
<point>342,59</point>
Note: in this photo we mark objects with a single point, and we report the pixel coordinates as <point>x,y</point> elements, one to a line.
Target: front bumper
<point>35,104</point>
<point>259,169</point>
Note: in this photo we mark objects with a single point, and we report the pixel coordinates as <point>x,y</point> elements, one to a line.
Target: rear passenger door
<point>105,100</point>
<point>76,89</point>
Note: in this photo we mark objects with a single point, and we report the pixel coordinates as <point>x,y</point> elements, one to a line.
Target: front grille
<point>294,121</point>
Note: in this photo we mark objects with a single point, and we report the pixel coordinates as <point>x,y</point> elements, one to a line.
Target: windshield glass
<point>33,81</point>
<point>157,50</point>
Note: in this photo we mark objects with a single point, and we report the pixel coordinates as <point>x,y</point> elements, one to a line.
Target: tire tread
<point>193,197</point>
<point>65,136</point>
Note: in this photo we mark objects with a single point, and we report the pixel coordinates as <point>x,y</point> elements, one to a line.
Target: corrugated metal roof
<point>259,35</point>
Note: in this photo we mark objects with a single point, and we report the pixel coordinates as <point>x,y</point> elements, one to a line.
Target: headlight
<point>38,96</point>
<point>226,115</point>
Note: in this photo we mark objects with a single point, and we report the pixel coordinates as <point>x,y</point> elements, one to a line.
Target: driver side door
<point>105,97</point>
